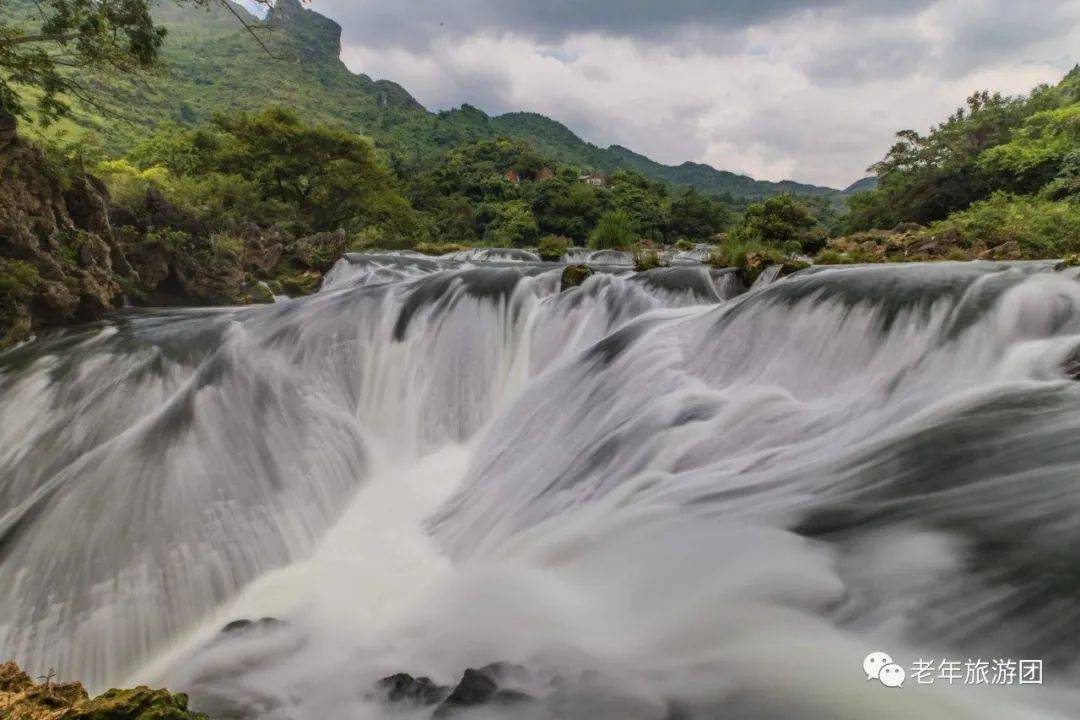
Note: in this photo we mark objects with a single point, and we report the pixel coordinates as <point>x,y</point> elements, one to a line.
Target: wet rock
<point>244,625</point>
<point>1069,261</point>
<point>319,251</point>
<point>304,283</point>
<point>405,688</point>
<point>575,275</point>
<point>1005,251</point>
<point>475,688</point>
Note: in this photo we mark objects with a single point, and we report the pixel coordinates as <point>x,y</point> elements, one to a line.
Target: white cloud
<point>813,95</point>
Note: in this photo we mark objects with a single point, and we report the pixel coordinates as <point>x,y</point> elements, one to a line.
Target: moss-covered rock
<point>646,258</point>
<point>435,249</point>
<point>23,699</point>
<point>304,283</point>
<point>1069,261</point>
<point>140,703</point>
<point>574,275</point>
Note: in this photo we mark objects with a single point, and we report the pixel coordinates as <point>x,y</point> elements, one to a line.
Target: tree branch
<point>24,39</point>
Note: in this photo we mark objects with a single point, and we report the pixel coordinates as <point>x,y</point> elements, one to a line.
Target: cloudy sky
<point>809,90</point>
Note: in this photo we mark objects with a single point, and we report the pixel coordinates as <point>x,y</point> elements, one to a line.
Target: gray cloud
<point>776,89</point>
<point>416,23</point>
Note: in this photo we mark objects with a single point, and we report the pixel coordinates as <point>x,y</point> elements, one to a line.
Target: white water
<point>673,501</point>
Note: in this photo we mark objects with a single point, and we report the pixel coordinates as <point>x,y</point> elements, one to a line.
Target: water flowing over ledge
<point>718,500</point>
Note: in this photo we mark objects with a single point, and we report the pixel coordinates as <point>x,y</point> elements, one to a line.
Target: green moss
<point>140,703</point>
<point>304,283</point>
<point>18,327</point>
<point>439,248</point>
<point>575,275</point>
<point>18,279</point>
<point>224,243</point>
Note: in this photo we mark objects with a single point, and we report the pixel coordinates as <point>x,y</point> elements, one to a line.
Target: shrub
<point>646,258</point>
<point>615,229</point>
<point>553,247</point>
<point>1042,228</point>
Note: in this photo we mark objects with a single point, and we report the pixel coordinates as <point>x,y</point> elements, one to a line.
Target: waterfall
<point>704,500</point>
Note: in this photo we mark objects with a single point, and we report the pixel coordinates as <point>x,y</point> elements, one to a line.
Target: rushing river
<point>661,495</point>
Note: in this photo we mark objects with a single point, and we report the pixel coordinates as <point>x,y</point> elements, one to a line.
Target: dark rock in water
<point>405,688</point>
<point>1071,365</point>
<point>574,275</point>
<point>475,688</point>
<point>244,625</point>
<point>481,687</point>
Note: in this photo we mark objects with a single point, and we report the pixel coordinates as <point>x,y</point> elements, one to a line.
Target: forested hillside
<point>210,64</point>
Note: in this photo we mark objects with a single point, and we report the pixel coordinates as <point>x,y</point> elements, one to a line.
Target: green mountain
<point>211,64</point>
<point>865,184</point>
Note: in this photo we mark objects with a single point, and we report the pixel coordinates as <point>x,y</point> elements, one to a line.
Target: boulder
<point>403,687</point>
<point>575,275</point>
<point>477,688</point>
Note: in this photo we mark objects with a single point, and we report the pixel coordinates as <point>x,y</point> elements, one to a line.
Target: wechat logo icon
<point>880,666</point>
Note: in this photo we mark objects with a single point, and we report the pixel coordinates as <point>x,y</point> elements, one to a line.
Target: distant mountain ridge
<point>210,64</point>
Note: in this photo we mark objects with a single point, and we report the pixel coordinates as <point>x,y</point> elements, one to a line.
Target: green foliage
<point>647,258</point>
<point>513,225</point>
<point>1042,228</point>
<point>1036,153</point>
<point>782,221</point>
<point>567,207</point>
<point>128,184</point>
<point>615,229</point>
<point>995,143</point>
<point>107,35</point>
<point>694,216</point>
<point>734,252</point>
<point>210,64</point>
<point>553,247</point>
<point>269,168</point>
<point>18,279</point>
<point>437,249</point>
<point>225,243</point>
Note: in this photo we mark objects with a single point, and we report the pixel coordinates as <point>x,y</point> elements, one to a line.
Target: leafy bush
<point>615,229</point>
<point>646,258</point>
<point>782,221</point>
<point>553,247</point>
<point>1042,228</point>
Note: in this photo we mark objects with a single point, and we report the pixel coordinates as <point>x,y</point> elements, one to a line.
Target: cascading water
<point>660,496</point>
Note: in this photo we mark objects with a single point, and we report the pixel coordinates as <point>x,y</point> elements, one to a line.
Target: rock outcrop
<point>68,255</point>
<point>23,699</point>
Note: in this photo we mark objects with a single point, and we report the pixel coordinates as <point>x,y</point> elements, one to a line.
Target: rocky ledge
<point>23,699</point>
<point>68,254</point>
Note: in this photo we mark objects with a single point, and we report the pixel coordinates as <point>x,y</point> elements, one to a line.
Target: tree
<point>62,37</point>
<point>615,229</point>
<point>315,178</point>
<point>696,217</point>
<point>566,207</point>
<point>513,226</point>
<point>780,221</point>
